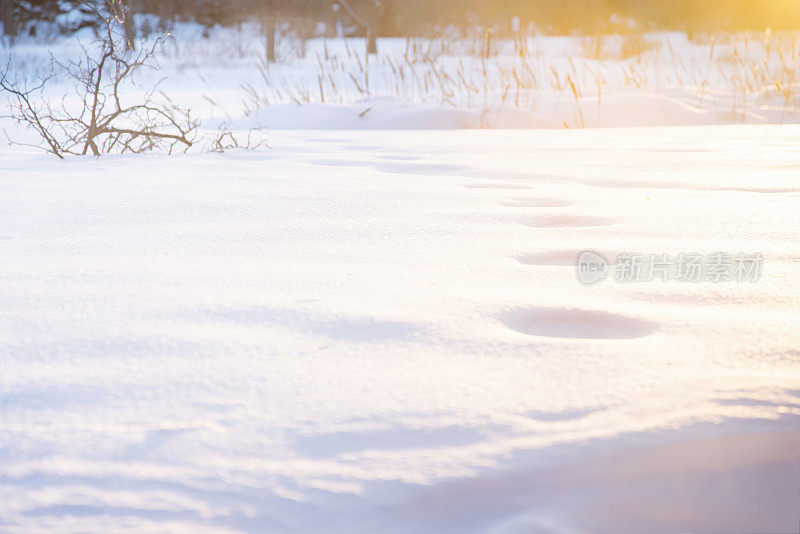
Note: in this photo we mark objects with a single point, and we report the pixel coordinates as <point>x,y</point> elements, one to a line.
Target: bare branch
<point>113,114</point>
<point>102,122</point>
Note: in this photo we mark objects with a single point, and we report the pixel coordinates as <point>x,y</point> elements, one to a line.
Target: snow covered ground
<point>384,332</point>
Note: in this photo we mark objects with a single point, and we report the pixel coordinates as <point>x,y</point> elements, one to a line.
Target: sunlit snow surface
<point>384,332</point>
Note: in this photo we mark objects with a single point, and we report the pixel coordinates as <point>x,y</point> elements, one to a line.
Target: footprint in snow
<point>576,324</point>
<point>423,169</point>
<point>496,186</point>
<point>398,157</point>
<point>537,203</point>
<point>567,221</point>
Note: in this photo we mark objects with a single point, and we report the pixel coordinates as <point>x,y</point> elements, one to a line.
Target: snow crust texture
<point>384,332</point>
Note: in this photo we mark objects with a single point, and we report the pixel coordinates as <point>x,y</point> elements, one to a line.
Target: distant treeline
<point>426,17</point>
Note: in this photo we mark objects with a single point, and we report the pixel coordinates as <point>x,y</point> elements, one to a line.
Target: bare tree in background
<point>296,19</point>
<point>121,12</point>
<point>104,120</point>
<point>7,18</point>
<point>269,25</point>
<point>367,14</point>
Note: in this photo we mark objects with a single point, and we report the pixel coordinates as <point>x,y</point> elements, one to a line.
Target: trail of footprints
<point>534,321</point>
<point>564,322</point>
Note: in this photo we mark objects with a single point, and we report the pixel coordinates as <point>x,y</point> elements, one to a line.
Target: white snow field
<point>384,332</point>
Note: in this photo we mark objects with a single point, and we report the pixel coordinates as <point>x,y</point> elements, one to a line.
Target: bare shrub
<point>104,120</point>
<point>224,140</point>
